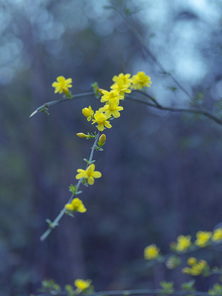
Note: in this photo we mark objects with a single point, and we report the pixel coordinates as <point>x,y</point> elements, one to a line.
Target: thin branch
<point>48,104</point>
<point>150,98</point>
<point>175,109</point>
<point>155,104</point>
<point>55,222</point>
<point>148,291</point>
<point>139,292</point>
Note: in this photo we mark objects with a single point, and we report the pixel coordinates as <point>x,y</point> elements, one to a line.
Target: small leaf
<point>167,287</point>
<point>189,286</point>
<point>73,189</point>
<point>95,87</point>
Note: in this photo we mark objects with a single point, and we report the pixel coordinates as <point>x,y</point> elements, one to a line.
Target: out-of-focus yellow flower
<point>191,261</point>
<point>203,238</point>
<point>151,252</point>
<point>217,235</point>
<point>88,112</point>
<point>141,80</point>
<point>88,174</point>
<point>82,285</point>
<point>197,268</point>
<point>76,206</point>
<point>183,243</point>
<point>62,85</point>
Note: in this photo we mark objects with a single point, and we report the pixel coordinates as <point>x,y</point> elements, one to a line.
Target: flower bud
<point>191,261</point>
<point>81,135</point>
<point>102,139</point>
<point>100,90</point>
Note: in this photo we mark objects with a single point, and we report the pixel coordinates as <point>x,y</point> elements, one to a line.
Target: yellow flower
<point>183,243</point>
<point>111,95</point>
<point>102,121</point>
<point>62,85</point>
<point>88,112</point>
<point>121,87</point>
<point>89,174</point>
<point>140,80</point>
<point>151,252</point>
<point>82,285</point>
<point>112,108</point>
<point>76,206</point>
<point>217,235</point>
<point>203,238</point>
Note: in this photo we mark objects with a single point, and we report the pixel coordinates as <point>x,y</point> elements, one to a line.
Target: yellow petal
<point>91,168</point>
<point>82,209</point>
<point>100,127</point>
<point>97,174</point>
<point>69,207</point>
<point>91,180</point>
<point>81,175</point>
<point>61,79</point>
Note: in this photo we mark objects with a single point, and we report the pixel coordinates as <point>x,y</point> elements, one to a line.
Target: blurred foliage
<point>161,171</point>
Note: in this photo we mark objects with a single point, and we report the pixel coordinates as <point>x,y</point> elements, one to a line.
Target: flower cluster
<point>123,84</point>
<point>184,243</point>
<point>196,267</point>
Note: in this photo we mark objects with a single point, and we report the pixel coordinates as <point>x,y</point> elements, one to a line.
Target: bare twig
<point>139,292</point>
<point>140,39</point>
<point>48,104</point>
<point>154,104</point>
<point>175,109</point>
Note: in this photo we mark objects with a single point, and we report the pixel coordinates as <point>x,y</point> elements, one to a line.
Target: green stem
<point>55,222</point>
